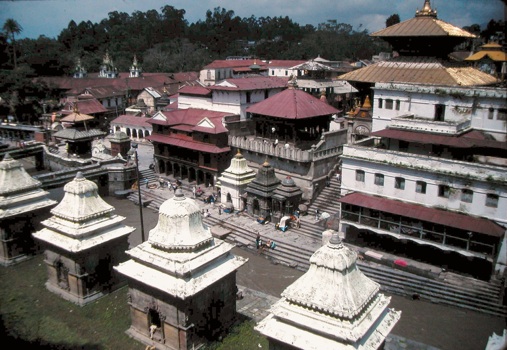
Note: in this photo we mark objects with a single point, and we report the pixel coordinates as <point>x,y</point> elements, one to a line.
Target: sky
<point>49,18</point>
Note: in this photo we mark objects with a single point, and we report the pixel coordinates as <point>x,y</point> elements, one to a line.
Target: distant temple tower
<point>135,70</point>
<point>83,240</point>
<point>120,144</point>
<point>21,199</point>
<point>332,306</point>
<point>182,281</point>
<point>79,71</point>
<point>234,180</point>
<point>108,70</point>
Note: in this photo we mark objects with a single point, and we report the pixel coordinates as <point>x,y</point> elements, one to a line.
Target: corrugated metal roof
<point>437,216</point>
<point>498,56</point>
<point>423,26</point>
<point>472,139</point>
<point>292,104</point>
<point>191,118</point>
<point>423,70</point>
<point>194,90</point>
<point>188,143</point>
<point>127,119</point>
<point>251,83</point>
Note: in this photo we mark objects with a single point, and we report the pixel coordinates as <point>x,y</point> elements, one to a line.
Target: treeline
<point>163,41</point>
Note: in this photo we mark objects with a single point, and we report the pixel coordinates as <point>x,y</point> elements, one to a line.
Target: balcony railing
<point>410,230</point>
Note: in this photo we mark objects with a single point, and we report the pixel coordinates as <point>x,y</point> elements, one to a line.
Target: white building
<point>484,108</point>
<point>434,174</point>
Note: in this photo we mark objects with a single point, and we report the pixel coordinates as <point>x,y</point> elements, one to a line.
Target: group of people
<point>261,245</point>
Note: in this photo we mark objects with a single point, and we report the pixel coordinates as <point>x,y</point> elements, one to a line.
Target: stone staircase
<point>453,290</point>
<point>327,200</point>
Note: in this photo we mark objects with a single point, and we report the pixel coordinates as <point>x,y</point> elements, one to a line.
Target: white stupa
<point>332,306</point>
<point>234,180</point>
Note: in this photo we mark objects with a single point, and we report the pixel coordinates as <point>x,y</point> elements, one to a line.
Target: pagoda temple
<point>258,193</point>
<point>84,239</point>
<point>21,200</point>
<point>332,306</point>
<point>182,281</point>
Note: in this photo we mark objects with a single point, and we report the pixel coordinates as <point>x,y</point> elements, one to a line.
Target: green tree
<point>392,20</point>
<point>12,28</point>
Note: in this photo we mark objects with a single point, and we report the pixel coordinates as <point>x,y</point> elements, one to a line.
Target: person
<point>153,329</point>
<point>317,214</point>
<point>193,191</point>
<point>258,241</point>
<point>207,213</point>
<point>161,182</point>
<point>219,210</point>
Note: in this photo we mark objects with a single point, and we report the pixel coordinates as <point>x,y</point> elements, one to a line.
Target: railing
<point>418,231</point>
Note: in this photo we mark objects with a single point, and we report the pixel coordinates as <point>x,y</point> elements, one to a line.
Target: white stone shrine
<point>332,306</point>
<point>234,180</point>
<point>84,239</point>
<point>182,281</point>
<point>22,202</point>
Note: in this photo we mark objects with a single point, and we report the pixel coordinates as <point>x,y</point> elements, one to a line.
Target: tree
<point>392,20</point>
<point>11,28</point>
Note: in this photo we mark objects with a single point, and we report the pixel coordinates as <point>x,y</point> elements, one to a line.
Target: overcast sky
<point>49,18</point>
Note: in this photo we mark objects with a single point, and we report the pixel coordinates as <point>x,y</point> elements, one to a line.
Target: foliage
<point>392,20</point>
<point>35,318</point>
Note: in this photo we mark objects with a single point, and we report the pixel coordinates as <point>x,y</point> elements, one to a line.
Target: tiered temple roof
<point>239,173</point>
<point>19,192</point>
<point>180,257</point>
<point>82,220</point>
<point>332,306</point>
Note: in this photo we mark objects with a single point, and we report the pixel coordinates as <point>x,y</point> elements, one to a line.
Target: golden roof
<point>422,70</point>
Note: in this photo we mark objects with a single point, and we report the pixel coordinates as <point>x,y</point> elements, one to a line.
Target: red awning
<point>189,144</point>
<point>437,216</point>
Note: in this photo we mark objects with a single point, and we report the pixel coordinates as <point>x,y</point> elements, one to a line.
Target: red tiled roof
<point>472,139</point>
<point>292,104</point>
<point>191,117</point>
<point>86,106</point>
<point>423,26</point>
<point>127,119</point>
<point>247,63</point>
<point>194,90</point>
<point>251,83</point>
<point>177,140</point>
<point>437,216</point>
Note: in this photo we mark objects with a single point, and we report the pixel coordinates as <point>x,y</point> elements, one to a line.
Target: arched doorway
<point>161,166</point>
<point>255,207</point>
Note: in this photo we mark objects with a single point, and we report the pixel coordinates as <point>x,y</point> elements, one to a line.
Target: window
<point>218,75</point>
<point>389,104</point>
<point>272,72</point>
<point>467,195</point>
<point>403,145</point>
<point>439,112</point>
<point>502,114</point>
<point>492,200</point>
<point>380,103</point>
<point>399,183</point>
<point>286,72</point>
<point>491,112</point>
<point>444,191</point>
<point>379,179</point>
<point>208,75</point>
<point>420,187</point>
<point>360,175</point>
<point>266,94</point>
<point>398,104</point>
<point>248,97</point>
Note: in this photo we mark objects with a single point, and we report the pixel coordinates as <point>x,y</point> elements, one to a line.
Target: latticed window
<point>467,195</point>
<point>444,191</point>
<point>492,200</point>
<point>420,187</point>
<point>379,179</point>
<point>399,183</point>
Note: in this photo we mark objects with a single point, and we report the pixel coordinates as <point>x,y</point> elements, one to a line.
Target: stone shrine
<point>182,281</point>
<point>84,239</point>
<point>332,306</point>
<point>234,180</point>
<point>260,190</point>
<point>21,200</point>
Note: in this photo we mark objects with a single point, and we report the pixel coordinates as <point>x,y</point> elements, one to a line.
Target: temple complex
<point>182,281</point>
<point>234,181</point>
<point>332,306</point>
<point>84,239</point>
<point>21,200</point>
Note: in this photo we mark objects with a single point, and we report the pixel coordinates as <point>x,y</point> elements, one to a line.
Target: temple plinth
<point>21,200</point>
<point>83,240</point>
<point>182,281</point>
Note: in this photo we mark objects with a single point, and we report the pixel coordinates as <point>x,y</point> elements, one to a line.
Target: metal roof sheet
<point>292,104</point>
<point>423,26</point>
<point>420,212</point>
<point>423,70</point>
<point>250,83</point>
<point>188,143</point>
<point>131,120</point>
